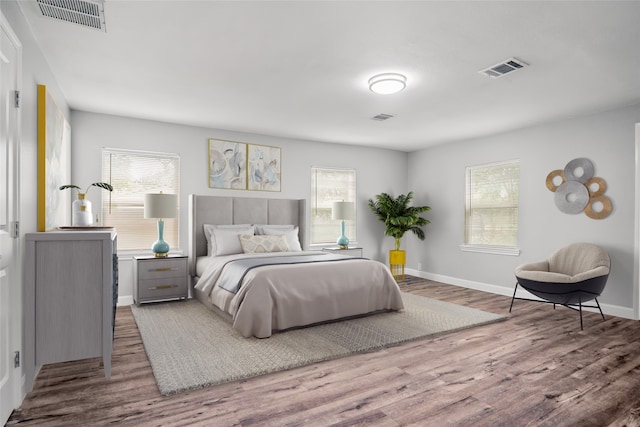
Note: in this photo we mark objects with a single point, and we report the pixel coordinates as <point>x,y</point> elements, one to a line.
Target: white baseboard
<point>125,300</point>
<point>612,310</point>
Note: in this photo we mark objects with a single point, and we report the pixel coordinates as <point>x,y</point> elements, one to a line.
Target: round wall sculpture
<point>577,190</point>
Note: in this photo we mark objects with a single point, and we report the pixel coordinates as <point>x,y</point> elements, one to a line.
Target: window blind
<point>492,193</point>
<point>132,174</point>
<point>330,185</point>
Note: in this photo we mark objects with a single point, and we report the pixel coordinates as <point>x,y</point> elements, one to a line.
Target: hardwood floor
<point>536,368</point>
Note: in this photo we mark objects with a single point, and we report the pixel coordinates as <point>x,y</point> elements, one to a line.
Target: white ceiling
<point>299,69</point>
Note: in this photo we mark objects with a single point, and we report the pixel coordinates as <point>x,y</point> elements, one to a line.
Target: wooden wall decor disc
<point>602,186</point>
<point>606,207</point>
<point>550,185</point>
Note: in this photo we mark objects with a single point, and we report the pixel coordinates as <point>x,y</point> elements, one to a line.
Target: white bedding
<point>278,297</point>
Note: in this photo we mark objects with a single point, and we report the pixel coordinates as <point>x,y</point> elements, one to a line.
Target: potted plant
<point>81,207</point>
<point>399,217</point>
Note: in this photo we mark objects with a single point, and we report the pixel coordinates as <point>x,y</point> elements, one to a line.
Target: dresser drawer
<point>165,288</point>
<point>153,269</point>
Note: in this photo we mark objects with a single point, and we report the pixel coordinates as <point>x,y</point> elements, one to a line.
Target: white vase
<point>81,209</point>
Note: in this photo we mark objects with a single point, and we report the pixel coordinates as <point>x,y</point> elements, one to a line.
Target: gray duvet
<point>278,297</point>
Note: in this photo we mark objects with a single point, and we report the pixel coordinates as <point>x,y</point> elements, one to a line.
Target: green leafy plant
<point>398,216</point>
<point>102,185</point>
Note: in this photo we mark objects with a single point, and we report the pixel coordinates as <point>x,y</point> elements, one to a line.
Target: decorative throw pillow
<point>211,241</point>
<point>290,234</point>
<point>262,244</point>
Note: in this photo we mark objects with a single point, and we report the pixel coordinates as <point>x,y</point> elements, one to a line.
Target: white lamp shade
<point>160,205</point>
<point>343,211</point>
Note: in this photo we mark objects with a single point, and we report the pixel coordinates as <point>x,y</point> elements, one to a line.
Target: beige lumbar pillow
<point>263,243</point>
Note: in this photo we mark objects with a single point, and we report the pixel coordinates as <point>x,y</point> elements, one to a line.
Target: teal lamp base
<point>343,241</point>
<point>160,248</point>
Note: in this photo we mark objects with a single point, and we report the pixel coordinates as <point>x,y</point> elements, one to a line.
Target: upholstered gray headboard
<point>239,210</point>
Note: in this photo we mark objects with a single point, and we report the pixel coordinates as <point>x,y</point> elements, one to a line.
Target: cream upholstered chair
<point>572,276</point>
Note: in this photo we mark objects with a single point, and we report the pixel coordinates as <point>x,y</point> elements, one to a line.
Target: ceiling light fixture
<point>387,83</point>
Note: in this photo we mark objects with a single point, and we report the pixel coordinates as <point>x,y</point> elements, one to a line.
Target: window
<point>492,204</point>
<point>132,174</point>
<point>328,186</point>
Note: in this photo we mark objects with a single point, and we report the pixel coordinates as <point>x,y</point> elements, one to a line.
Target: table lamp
<point>160,205</point>
<point>343,211</point>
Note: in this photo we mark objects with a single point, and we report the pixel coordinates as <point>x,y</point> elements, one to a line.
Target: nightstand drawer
<point>156,289</point>
<point>152,269</point>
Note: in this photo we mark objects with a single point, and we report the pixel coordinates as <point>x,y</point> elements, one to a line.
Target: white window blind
<point>327,186</point>
<point>132,174</point>
<point>492,204</point>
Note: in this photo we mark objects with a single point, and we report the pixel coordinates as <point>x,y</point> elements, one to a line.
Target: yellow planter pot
<point>397,260</point>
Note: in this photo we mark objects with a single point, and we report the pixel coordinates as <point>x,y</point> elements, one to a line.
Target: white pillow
<point>291,235</point>
<point>263,243</point>
<point>228,241</point>
<point>211,241</point>
<point>260,228</point>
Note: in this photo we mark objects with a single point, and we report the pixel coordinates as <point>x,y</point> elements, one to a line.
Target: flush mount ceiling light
<point>387,83</point>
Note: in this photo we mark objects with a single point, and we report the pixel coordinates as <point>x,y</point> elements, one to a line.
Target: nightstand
<point>354,252</point>
<point>159,279</point>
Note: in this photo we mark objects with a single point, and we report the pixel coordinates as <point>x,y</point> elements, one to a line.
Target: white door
<point>10,289</point>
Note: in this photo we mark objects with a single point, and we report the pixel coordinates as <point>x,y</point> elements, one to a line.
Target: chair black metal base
<point>572,300</point>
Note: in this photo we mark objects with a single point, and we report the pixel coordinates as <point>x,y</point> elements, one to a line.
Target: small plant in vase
<point>81,208</point>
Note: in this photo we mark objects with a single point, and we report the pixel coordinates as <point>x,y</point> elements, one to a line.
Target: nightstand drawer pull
<point>162,269</point>
<point>163,287</point>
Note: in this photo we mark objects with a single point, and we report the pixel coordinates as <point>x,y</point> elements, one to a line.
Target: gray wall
<point>376,170</point>
<point>437,175</point>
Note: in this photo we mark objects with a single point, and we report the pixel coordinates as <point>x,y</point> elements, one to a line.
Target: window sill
<point>488,249</point>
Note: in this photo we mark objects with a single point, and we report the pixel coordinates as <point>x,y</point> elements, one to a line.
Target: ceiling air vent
<point>381,117</point>
<point>504,67</point>
<point>87,13</point>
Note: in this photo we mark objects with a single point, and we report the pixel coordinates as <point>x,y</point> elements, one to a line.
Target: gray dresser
<point>71,281</point>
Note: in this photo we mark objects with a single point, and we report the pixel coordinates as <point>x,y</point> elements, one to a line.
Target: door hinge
<point>15,229</point>
<point>18,100</point>
<point>16,359</point>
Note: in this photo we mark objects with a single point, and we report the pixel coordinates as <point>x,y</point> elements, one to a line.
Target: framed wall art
<point>227,164</point>
<point>54,163</point>
<point>264,168</point>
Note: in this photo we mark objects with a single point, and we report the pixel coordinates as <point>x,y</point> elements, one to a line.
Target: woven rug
<point>190,347</point>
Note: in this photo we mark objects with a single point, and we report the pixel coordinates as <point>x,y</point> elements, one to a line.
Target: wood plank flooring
<point>535,369</point>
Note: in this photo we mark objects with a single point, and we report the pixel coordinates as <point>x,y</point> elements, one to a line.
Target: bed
<point>285,287</point>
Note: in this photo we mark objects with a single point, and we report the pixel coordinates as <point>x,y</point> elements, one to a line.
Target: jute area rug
<point>190,347</point>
